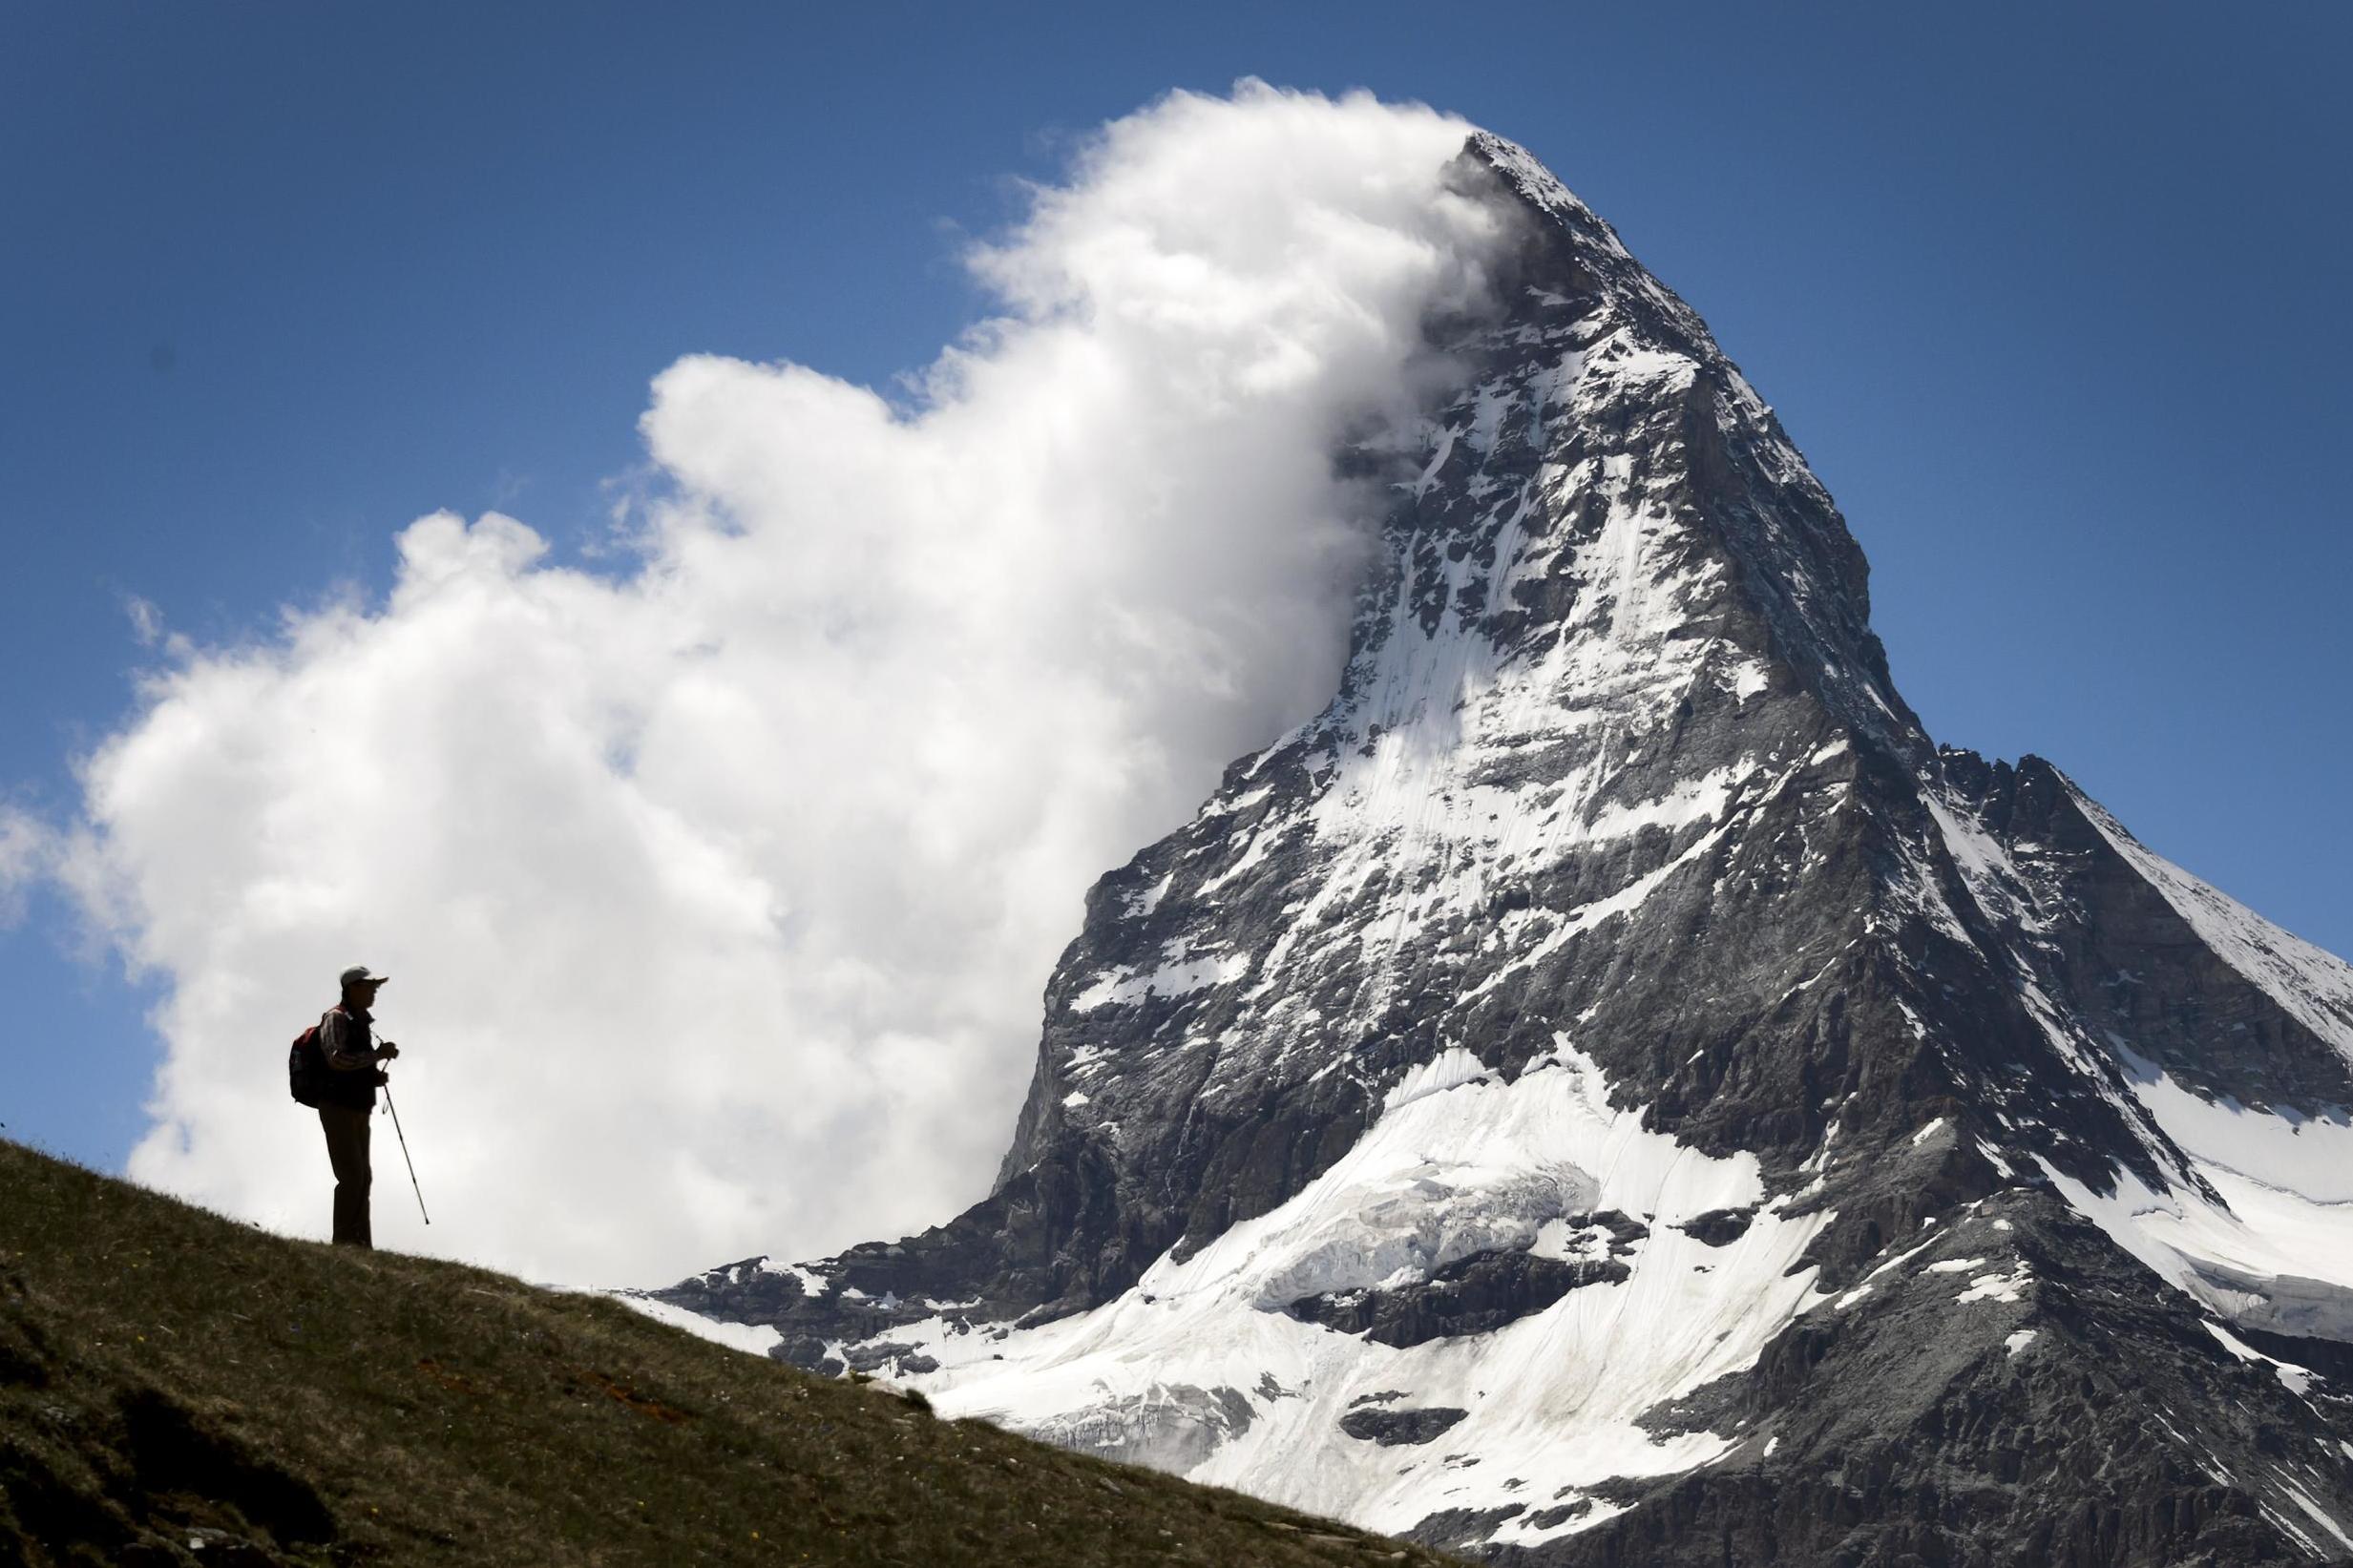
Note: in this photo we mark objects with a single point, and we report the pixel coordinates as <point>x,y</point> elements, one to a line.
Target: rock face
<point>1610,1089</point>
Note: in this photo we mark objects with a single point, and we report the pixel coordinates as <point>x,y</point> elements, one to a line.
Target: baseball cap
<point>357,974</point>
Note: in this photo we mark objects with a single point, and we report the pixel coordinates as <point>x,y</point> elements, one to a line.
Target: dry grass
<point>168,1376</point>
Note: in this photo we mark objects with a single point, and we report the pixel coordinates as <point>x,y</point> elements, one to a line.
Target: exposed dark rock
<point>1624,1229</point>
<point>1469,1296</point>
<point>872,1357</point>
<point>1544,1518</point>
<point>1398,1428</point>
<point>1719,1227</point>
<point>1462,1529</point>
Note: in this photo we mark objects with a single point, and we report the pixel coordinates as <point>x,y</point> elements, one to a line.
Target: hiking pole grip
<point>404,1151</point>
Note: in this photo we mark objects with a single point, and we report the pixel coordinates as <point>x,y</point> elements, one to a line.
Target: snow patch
<point>2297,1380</point>
<point>2264,1256</point>
<point>2306,1155</point>
<point>1145,903</point>
<point>1175,978</point>
<point>1450,1069</point>
<point>2008,1287</point>
<point>813,1282</point>
<point>751,1338</point>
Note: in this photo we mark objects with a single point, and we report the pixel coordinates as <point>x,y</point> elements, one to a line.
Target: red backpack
<point>307,1068</point>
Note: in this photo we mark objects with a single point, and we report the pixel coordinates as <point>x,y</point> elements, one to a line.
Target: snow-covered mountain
<point>1610,1089</point>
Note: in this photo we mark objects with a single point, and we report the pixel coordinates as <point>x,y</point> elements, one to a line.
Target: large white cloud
<point>718,893</point>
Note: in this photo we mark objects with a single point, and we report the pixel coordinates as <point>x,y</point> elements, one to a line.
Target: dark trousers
<point>346,1150</point>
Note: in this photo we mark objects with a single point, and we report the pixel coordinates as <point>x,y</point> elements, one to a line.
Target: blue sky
<point>2050,297</point>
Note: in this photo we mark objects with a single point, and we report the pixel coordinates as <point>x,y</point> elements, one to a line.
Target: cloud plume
<point>719,892</point>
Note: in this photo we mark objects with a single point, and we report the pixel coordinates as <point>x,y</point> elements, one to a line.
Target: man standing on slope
<point>348,1098</point>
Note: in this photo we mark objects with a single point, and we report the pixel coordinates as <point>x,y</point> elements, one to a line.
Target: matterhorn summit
<point>1610,1089</point>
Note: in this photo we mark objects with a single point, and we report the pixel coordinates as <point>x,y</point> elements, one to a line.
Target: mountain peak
<point>1608,1083</point>
<point>1535,184</point>
<point>1602,397</point>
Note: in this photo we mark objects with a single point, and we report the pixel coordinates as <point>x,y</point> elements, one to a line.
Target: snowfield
<point>1200,1368</point>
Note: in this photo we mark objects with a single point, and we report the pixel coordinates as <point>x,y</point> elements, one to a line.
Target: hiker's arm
<point>335,1045</point>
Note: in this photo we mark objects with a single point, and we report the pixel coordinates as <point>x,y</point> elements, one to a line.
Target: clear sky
<point>2053,297</point>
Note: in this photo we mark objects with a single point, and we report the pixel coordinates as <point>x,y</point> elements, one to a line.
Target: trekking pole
<point>404,1152</point>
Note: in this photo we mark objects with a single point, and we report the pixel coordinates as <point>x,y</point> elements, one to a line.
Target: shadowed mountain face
<point>1610,1089</point>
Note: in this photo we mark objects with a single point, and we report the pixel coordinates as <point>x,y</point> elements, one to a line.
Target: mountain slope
<point>1610,1089</point>
<point>175,1388</point>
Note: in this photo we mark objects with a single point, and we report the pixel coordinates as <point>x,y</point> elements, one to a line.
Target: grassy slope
<point>169,1375</point>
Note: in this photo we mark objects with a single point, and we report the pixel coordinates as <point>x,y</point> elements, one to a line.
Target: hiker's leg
<point>346,1150</point>
<point>362,1231</point>
<point>332,1121</point>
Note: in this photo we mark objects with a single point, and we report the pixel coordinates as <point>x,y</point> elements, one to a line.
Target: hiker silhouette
<point>347,1096</point>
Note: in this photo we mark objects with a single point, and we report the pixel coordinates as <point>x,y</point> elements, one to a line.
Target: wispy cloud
<point>28,850</point>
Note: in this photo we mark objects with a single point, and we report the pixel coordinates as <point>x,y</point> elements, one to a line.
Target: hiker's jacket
<point>348,1045</point>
